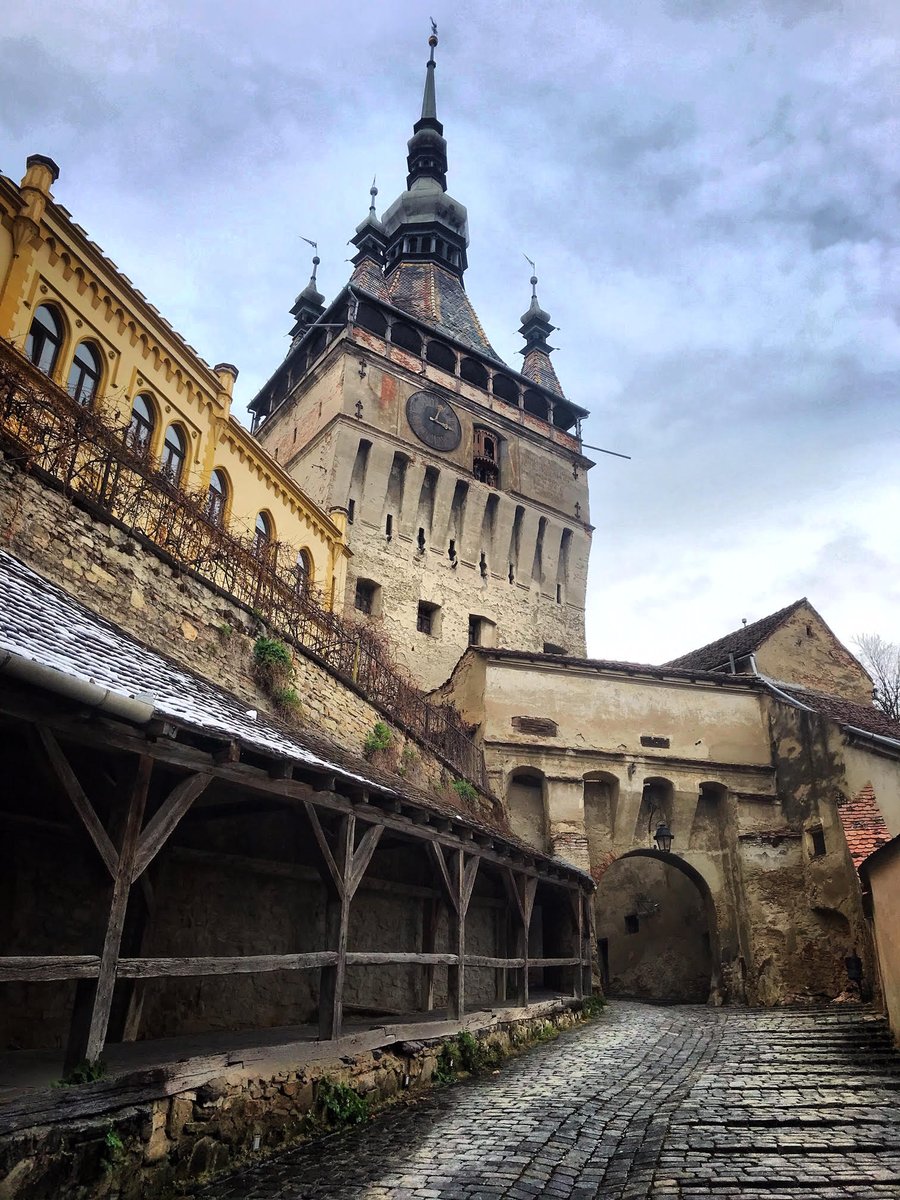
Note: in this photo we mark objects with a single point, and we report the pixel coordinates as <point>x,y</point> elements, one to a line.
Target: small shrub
<point>113,1150</point>
<point>593,1006</point>
<point>408,760</point>
<point>272,654</point>
<point>225,631</point>
<point>340,1104</point>
<point>287,701</point>
<point>464,790</point>
<point>378,739</point>
<point>272,665</point>
<point>445,1071</point>
<point>545,1032</point>
<point>85,1072</point>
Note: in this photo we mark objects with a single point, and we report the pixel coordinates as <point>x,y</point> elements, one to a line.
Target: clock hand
<point>441,423</point>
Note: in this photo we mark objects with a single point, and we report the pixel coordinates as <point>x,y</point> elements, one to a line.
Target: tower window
<point>632,923</point>
<point>366,598</point>
<point>428,618</point>
<point>262,533</point>
<point>389,527</point>
<point>482,632</point>
<point>483,566</point>
<point>818,841</point>
<point>451,551</point>
<point>420,540</point>
<point>485,457</point>
<point>351,511</point>
<point>552,648</point>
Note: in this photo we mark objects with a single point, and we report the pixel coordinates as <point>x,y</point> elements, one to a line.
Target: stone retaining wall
<point>123,578</point>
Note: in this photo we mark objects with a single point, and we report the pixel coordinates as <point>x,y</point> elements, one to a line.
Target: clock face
<point>433,421</point>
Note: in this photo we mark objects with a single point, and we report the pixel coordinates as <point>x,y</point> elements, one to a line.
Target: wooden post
<point>88,1045</point>
<point>342,871</point>
<point>521,892</point>
<point>431,912</point>
<point>458,881</point>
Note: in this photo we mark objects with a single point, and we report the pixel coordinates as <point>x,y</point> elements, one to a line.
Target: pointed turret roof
<point>370,241</point>
<point>309,305</point>
<point>535,329</point>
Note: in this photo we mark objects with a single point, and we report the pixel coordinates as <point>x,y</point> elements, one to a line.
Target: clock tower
<point>462,479</point>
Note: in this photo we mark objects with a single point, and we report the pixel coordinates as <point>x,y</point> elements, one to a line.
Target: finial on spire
<point>534,278</point>
<point>316,260</point>
<point>433,40</point>
<point>373,192</point>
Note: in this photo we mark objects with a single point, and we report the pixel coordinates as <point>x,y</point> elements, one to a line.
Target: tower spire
<point>427,158</point>
<point>429,100</point>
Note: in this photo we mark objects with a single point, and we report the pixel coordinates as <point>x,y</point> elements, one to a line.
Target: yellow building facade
<point>67,308</point>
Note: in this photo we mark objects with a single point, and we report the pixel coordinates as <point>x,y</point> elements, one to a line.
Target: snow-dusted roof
<point>42,623</point>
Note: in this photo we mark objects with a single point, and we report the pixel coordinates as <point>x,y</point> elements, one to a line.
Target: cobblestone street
<point>644,1102</point>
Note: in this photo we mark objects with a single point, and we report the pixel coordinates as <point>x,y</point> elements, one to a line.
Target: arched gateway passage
<point>656,930</point>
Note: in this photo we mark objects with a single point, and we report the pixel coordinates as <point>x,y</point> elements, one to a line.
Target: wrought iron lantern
<point>663,837</point>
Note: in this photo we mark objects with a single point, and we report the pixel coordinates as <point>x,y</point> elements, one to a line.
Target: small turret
<point>309,305</point>
<point>535,329</point>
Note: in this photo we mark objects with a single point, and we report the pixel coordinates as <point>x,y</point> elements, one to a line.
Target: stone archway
<point>657,931</point>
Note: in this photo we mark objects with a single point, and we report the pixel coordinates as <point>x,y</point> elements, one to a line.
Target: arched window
<point>537,405</point>
<point>473,372</point>
<point>262,534</point>
<point>441,355</point>
<point>370,318</point>
<point>217,497</point>
<point>406,337</point>
<point>506,390</point>
<point>139,433</point>
<point>44,338</point>
<point>173,454</point>
<point>84,374</point>
<point>485,457</point>
<point>304,572</point>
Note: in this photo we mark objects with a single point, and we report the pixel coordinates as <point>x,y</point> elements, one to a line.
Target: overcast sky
<point>710,190</point>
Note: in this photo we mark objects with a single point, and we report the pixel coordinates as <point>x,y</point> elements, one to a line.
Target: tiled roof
<point>368,277</point>
<point>41,622</point>
<point>610,664</point>
<point>740,643</point>
<point>846,712</point>
<point>538,367</point>
<point>436,296</point>
<point>863,825</point>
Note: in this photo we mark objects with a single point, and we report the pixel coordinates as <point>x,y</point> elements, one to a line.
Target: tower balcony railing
<point>85,454</point>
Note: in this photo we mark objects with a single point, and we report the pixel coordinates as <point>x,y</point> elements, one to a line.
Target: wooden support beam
<point>362,856</point>
<point>337,867</point>
<point>109,958</point>
<point>69,782</point>
<point>331,874</point>
<point>170,812</point>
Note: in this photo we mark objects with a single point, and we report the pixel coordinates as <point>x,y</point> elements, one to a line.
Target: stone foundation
<point>140,1137</point>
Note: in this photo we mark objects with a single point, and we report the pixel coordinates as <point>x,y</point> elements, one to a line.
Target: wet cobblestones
<point>658,1103</point>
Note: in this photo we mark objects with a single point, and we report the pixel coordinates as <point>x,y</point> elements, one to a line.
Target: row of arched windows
<point>43,347</point>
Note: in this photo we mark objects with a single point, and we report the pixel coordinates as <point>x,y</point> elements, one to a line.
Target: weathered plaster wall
<point>742,783</point>
<point>804,650</point>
